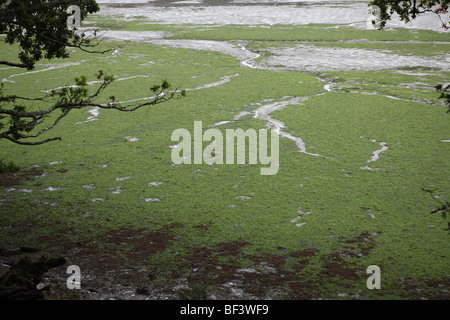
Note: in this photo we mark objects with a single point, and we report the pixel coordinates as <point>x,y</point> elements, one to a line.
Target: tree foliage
<point>22,124</point>
<point>443,206</point>
<point>40,27</point>
<point>409,9</point>
<point>444,89</point>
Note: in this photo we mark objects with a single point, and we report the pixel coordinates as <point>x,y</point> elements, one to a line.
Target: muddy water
<point>278,126</point>
<point>310,58</point>
<point>255,12</point>
<point>376,154</point>
<point>264,13</point>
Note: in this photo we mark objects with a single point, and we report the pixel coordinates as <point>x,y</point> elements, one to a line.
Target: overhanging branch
<point>22,123</point>
<point>12,64</point>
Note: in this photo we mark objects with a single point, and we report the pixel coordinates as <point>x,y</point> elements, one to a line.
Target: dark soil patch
<point>224,267</point>
<point>273,275</point>
<point>8,179</point>
<point>117,258</point>
<point>123,264</point>
<point>141,244</point>
<point>124,256</point>
<point>339,265</point>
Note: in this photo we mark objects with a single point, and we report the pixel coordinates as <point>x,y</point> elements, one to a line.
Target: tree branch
<point>67,99</point>
<point>12,64</point>
<point>28,143</point>
<point>40,28</point>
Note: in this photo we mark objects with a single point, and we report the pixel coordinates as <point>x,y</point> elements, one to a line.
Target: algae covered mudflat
<point>362,133</point>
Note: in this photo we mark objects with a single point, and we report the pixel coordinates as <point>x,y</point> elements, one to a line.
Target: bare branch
<point>28,143</point>
<point>12,64</point>
<point>67,99</point>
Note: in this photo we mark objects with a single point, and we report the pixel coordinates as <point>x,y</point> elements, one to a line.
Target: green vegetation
<point>319,222</point>
<point>10,166</point>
